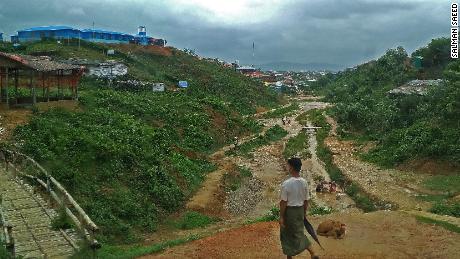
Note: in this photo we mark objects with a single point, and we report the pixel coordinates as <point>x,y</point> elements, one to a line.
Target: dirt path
<point>267,167</point>
<point>383,234</point>
<point>400,188</point>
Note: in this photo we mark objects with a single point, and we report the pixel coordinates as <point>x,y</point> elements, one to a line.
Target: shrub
<point>193,219</point>
<point>446,208</point>
<point>61,221</point>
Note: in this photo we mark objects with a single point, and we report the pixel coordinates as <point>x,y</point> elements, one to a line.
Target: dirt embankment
<point>383,234</point>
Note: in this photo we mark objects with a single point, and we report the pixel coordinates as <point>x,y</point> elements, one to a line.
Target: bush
<point>272,215</point>
<point>406,127</point>
<point>193,219</point>
<point>446,208</point>
<point>142,153</point>
<point>318,210</point>
<point>275,133</point>
<point>297,146</point>
<point>61,221</point>
<point>232,180</point>
<point>278,113</point>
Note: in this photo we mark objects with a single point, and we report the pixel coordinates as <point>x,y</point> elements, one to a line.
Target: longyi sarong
<point>293,239</point>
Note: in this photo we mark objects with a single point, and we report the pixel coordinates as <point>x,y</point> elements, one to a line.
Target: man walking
<point>293,210</point>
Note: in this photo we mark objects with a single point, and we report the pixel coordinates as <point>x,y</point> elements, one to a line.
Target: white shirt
<point>295,191</point>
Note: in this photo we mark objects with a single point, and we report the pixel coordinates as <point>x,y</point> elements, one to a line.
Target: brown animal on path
<point>332,228</point>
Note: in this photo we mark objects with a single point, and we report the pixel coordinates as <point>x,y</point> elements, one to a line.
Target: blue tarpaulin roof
<point>183,84</point>
<point>104,31</point>
<point>49,28</point>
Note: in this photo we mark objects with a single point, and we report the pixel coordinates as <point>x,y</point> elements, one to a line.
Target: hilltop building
<point>92,35</point>
<point>246,70</point>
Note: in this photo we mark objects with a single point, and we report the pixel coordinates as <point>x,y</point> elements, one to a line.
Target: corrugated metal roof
<point>43,64</point>
<point>49,28</point>
<point>104,31</point>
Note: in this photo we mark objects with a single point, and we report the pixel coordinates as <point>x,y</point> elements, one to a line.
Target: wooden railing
<point>7,233</point>
<point>21,165</point>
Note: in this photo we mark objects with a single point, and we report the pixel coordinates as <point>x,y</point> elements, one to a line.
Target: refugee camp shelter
<point>26,80</point>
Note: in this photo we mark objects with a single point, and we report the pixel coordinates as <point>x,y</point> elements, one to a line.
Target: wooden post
<point>1,85</point>
<point>47,89</point>
<point>16,83</point>
<point>34,94</point>
<point>10,244</point>
<point>59,83</point>
<point>7,96</point>
<point>48,189</point>
<point>31,76</point>
<point>43,85</point>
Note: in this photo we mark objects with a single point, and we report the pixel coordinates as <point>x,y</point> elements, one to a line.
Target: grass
<point>272,215</point>
<point>444,183</point>
<point>446,208</point>
<point>275,133</point>
<point>433,197</point>
<point>193,219</point>
<point>449,185</point>
<point>4,254</point>
<point>61,221</point>
<point>315,209</point>
<point>446,225</point>
<point>128,252</point>
<point>232,180</point>
<point>143,153</point>
<point>284,111</point>
<point>297,146</point>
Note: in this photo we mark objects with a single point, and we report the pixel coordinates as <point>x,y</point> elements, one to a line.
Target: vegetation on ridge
<point>129,157</point>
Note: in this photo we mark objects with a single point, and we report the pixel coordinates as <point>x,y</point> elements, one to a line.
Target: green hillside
<point>130,156</point>
<point>407,127</point>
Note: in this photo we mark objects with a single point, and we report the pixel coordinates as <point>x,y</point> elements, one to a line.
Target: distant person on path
<point>293,210</point>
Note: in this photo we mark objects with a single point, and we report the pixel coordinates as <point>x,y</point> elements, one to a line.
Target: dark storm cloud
<point>343,32</point>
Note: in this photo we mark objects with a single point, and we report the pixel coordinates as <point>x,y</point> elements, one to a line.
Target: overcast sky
<point>344,32</point>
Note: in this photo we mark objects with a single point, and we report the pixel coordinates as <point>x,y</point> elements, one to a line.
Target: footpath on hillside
<point>381,234</point>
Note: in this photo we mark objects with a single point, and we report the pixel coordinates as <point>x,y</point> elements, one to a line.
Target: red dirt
<point>13,117</point>
<point>374,235</point>
<point>10,119</point>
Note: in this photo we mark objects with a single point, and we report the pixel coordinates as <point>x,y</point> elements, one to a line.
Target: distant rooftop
<point>50,28</point>
<point>103,31</point>
<point>246,68</point>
